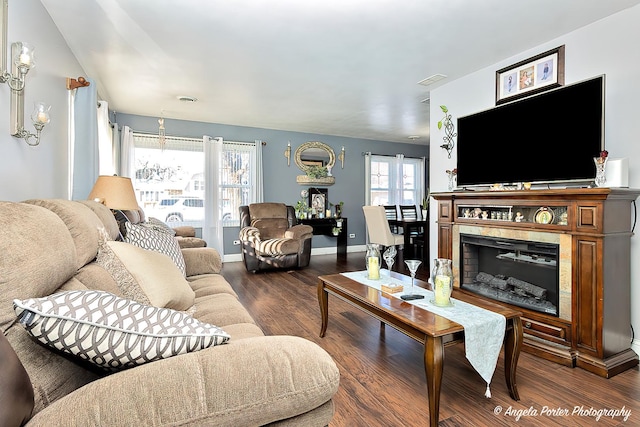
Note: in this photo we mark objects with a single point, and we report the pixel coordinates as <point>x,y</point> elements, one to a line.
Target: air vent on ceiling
<point>432,79</point>
<point>185,98</point>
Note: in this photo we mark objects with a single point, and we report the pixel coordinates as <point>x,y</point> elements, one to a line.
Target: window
<point>169,183</point>
<point>236,178</point>
<point>395,180</point>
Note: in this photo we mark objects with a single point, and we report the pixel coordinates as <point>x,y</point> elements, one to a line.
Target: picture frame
<point>533,75</point>
<point>318,199</point>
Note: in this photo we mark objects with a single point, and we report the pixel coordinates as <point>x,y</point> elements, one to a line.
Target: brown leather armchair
<point>271,238</point>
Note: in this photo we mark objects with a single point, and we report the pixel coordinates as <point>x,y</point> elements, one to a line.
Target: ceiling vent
<point>185,98</point>
<point>432,79</point>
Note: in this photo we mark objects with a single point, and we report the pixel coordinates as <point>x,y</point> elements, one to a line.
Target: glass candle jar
<point>373,261</point>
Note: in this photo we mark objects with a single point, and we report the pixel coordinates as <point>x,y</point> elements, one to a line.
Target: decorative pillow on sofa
<point>155,224</point>
<point>154,240</point>
<point>155,276</point>
<point>112,332</point>
<point>128,285</point>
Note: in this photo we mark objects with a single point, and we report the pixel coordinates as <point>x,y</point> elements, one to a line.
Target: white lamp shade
<point>115,192</point>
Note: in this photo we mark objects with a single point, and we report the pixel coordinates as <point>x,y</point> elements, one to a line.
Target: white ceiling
<point>337,67</point>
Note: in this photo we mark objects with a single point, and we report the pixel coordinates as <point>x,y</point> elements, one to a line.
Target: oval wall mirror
<point>314,153</point>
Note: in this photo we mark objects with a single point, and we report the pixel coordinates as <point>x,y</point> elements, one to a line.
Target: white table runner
<point>483,329</point>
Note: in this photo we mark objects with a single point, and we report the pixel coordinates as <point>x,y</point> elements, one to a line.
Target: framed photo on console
<point>536,74</point>
<point>318,199</point>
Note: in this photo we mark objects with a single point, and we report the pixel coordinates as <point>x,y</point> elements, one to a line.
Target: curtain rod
<point>185,138</point>
<point>364,153</point>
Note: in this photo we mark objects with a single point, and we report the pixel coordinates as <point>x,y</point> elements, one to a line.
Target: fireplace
<point>591,228</point>
<point>529,244</point>
<point>521,273</point>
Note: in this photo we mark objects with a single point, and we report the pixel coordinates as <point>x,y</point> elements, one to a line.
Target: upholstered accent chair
<point>271,238</point>
<point>378,227</point>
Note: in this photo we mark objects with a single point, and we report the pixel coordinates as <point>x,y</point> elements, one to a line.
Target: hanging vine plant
<point>449,130</point>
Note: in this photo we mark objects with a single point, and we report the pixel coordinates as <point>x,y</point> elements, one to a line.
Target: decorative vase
<point>373,261</point>
<point>442,282</point>
<point>600,162</point>
<point>452,180</point>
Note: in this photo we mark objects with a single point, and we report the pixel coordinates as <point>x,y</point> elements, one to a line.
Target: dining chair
<point>409,212</point>
<point>378,227</point>
<point>392,213</point>
<point>416,235</point>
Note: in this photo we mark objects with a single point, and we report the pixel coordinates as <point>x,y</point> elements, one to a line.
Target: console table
<point>593,229</point>
<point>324,227</point>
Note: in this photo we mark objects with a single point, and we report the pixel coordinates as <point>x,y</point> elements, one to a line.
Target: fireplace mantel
<point>594,331</point>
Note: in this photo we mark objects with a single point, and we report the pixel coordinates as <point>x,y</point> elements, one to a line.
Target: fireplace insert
<point>518,272</point>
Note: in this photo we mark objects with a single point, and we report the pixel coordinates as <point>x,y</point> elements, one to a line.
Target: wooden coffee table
<point>434,331</point>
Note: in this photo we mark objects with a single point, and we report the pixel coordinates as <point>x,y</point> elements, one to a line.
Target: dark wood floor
<point>382,371</point>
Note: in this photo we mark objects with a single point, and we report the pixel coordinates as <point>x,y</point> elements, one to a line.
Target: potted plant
<point>301,209</point>
<point>317,172</point>
<point>336,230</point>
<point>425,205</point>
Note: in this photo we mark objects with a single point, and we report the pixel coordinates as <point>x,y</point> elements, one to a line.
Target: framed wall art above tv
<point>536,74</point>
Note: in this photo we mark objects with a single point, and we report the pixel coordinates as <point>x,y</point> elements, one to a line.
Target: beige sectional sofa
<point>50,246</point>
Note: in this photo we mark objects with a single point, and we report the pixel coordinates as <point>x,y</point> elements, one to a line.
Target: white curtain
<point>212,231</point>
<point>115,141</point>
<point>258,182</point>
<point>367,178</point>
<point>85,167</point>
<point>396,192</point>
<point>126,153</point>
<point>106,157</point>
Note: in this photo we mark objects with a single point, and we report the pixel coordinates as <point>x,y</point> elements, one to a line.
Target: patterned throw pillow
<point>156,224</point>
<point>154,240</point>
<point>112,332</point>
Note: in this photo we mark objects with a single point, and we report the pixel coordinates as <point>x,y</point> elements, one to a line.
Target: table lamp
<point>115,192</point>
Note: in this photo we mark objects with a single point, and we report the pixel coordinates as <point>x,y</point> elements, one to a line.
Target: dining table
<point>408,225</point>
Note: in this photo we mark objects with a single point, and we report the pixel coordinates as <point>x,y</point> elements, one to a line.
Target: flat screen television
<point>548,138</point>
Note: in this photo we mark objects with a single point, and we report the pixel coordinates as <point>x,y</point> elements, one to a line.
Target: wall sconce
<point>341,157</point>
<point>287,153</point>
<point>23,61</point>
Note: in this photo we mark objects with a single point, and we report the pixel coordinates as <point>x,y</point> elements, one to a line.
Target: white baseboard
<point>316,251</point>
<point>232,258</point>
<point>635,346</point>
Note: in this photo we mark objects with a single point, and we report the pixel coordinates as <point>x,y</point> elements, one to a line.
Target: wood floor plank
<point>382,371</point>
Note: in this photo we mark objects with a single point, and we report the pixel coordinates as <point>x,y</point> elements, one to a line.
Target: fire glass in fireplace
<point>517,272</point>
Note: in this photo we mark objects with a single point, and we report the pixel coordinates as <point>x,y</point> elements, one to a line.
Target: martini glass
<point>412,265</point>
<point>389,257</point>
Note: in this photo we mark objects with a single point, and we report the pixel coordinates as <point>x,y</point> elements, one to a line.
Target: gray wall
<point>279,180</point>
<point>43,171</point>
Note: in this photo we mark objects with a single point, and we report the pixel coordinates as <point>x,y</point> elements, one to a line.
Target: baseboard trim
<point>314,251</point>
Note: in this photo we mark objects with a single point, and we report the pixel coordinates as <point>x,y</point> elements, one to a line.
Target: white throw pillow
<point>112,332</point>
<point>158,277</point>
<point>154,240</point>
